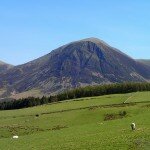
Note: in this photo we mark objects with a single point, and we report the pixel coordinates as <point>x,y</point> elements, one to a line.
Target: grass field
<point>93,123</point>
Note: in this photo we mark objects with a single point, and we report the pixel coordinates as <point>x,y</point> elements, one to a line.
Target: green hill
<point>94,123</point>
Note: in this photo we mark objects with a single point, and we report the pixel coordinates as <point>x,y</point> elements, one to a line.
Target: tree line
<point>25,102</point>
<point>88,91</point>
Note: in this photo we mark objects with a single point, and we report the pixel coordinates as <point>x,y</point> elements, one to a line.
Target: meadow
<point>93,123</point>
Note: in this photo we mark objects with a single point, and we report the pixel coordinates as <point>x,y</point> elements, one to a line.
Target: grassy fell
<point>79,124</point>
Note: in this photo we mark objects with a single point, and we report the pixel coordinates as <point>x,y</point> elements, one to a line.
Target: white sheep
<point>133,126</point>
<point>15,137</point>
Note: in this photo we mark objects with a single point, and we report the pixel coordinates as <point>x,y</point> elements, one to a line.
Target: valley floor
<point>95,123</point>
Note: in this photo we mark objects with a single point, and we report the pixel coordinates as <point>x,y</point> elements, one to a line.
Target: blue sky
<point>32,28</point>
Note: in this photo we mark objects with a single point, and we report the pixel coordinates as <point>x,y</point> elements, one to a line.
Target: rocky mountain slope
<point>144,61</point>
<point>80,63</point>
<point>4,66</point>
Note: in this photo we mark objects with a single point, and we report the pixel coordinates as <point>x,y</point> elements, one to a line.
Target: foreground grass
<point>82,126</point>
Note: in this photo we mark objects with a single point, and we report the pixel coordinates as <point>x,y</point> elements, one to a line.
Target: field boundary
<point>129,97</point>
<point>82,108</point>
<point>98,106</point>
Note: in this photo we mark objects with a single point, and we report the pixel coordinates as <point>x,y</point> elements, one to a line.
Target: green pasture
<point>80,124</point>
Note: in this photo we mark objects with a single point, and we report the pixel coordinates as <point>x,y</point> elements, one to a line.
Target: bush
<point>123,113</point>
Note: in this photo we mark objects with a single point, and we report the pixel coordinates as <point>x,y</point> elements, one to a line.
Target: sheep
<point>15,137</point>
<point>133,126</point>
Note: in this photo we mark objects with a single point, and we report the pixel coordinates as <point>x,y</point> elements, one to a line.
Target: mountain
<point>86,62</point>
<point>4,66</point>
<point>144,61</point>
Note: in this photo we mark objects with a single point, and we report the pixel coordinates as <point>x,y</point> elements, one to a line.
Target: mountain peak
<point>95,40</point>
<point>85,62</point>
<point>92,39</point>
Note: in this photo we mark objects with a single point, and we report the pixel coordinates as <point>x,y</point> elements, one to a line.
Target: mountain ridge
<point>144,61</point>
<point>85,62</point>
<point>4,66</point>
